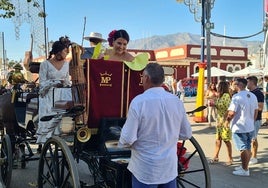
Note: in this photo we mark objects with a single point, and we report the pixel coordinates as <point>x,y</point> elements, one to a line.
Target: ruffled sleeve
<point>139,62</point>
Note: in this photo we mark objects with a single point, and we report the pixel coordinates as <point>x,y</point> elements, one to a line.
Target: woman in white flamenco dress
<point>54,82</point>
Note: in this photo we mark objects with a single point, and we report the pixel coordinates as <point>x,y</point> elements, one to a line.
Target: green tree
<point>7,9</point>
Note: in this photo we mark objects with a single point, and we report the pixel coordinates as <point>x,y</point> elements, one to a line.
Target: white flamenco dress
<point>49,77</point>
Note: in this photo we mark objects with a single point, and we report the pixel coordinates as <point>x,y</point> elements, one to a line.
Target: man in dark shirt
<point>252,86</point>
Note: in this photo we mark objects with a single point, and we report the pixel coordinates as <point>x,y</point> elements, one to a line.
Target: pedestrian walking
<point>252,86</point>
<point>242,113</point>
<point>174,86</point>
<point>211,96</point>
<point>222,133</point>
<point>180,90</point>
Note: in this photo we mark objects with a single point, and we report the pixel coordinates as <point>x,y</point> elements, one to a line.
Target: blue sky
<point>141,18</point>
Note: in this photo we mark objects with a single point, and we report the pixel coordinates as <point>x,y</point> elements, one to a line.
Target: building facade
<point>184,59</point>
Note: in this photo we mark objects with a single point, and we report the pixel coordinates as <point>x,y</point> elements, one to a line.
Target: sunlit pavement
<point>221,175</point>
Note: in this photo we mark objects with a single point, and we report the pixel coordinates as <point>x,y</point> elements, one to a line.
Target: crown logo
<point>105,74</point>
<point>105,79</point>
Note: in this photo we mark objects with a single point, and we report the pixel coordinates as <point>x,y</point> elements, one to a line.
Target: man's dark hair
<point>243,81</point>
<point>253,79</point>
<point>155,73</point>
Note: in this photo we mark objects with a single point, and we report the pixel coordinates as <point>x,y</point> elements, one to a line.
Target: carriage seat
<point>109,134</point>
<point>63,104</point>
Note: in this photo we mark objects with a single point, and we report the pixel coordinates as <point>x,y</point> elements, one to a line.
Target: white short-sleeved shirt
<point>244,104</point>
<point>156,120</point>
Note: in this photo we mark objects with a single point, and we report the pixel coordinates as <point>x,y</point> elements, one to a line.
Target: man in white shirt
<point>242,113</point>
<point>156,121</point>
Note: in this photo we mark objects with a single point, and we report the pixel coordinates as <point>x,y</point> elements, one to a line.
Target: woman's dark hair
<point>155,73</point>
<point>59,45</point>
<point>223,87</point>
<point>212,89</point>
<point>115,34</point>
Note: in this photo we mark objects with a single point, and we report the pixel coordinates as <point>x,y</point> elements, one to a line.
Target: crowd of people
<point>235,108</point>
<point>238,107</point>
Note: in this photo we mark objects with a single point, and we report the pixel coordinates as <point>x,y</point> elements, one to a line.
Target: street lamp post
<point>209,26</point>
<point>45,29</point>
<point>194,7</point>
<point>204,18</point>
<point>197,7</point>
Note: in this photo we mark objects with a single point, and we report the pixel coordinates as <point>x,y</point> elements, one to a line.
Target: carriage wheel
<point>6,161</point>
<point>193,167</point>
<point>92,162</point>
<point>56,165</point>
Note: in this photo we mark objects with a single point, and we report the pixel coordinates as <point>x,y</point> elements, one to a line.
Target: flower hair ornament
<point>59,45</point>
<point>65,41</point>
<point>111,38</point>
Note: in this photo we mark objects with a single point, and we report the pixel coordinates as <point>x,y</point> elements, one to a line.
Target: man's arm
<point>260,106</point>
<point>129,131</point>
<point>186,129</point>
<point>229,117</point>
<point>255,114</point>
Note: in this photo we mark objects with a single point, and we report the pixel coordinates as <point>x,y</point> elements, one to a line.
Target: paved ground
<point>221,175</point>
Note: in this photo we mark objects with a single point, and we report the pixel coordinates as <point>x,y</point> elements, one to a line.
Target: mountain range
<point>177,39</point>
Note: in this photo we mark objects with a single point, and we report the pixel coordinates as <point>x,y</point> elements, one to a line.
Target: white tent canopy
<point>248,71</point>
<point>214,72</point>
